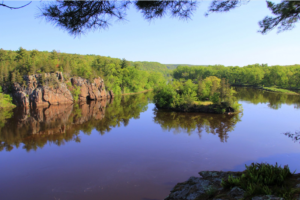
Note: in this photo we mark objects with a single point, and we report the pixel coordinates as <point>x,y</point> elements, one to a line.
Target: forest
<point>119,75</point>
<point>287,77</point>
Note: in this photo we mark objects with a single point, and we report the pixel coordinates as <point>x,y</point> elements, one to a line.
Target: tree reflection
<point>272,99</point>
<point>294,136</point>
<point>217,124</point>
<point>60,124</point>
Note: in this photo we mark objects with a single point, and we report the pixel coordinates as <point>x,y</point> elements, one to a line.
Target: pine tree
<point>1,75</point>
<point>32,69</point>
<point>13,77</point>
<point>2,55</point>
<point>5,74</point>
<point>124,64</point>
<point>21,54</point>
<point>19,77</point>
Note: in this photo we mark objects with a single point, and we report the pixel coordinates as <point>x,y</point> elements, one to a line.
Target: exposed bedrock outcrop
<point>51,89</point>
<point>93,91</point>
<point>208,186</point>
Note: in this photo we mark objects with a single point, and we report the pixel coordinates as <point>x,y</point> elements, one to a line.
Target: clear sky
<point>229,38</point>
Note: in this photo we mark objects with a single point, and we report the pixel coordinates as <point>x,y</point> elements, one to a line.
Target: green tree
<point>21,54</point>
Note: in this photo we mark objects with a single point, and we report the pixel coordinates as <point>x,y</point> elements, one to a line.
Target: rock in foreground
<point>208,186</point>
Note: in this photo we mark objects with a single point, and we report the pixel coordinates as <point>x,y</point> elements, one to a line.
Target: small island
<point>211,95</point>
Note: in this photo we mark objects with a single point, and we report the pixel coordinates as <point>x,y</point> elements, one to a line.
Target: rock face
<point>91,91</point>
<point>50,89</point>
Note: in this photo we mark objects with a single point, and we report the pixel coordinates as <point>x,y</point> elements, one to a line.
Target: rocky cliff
<point>51,89</point>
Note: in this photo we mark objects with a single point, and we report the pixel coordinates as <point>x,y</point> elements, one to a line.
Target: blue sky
<point>229,38</point>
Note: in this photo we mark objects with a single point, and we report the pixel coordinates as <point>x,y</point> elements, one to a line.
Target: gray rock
<point>298,185</point>
<point>190,189</point>
<point>267,197</point>
<point>207,174</point>
<point>236,193</point>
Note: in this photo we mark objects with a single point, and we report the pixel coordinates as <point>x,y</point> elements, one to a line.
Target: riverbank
<point>270,89</point>
<point>257,182</point>
<point>137,92</point>
<point>274,89</point>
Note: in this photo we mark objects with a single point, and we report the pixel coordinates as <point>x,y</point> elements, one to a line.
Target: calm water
<point>128,150</point>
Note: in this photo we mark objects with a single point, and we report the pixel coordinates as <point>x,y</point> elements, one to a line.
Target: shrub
<point>262,179</point>
<point>75,92</point>
<point>5,100</point>
<point>164,95</point>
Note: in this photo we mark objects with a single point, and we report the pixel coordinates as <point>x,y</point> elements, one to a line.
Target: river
<point>127,149</point>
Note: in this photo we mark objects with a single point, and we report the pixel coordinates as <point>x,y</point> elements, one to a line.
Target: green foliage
<point>211,191</point>
<point>262,179</point>
<point>5,100</point>
<point>164,95</point>
<point>75,92</point>
<point>50,81</point>
<point>186,94</point>
<point>254,75</point>
<point>215,98</point>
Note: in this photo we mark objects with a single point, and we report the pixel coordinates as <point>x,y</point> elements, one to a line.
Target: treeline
<point>121,76</point>
<point>255,75</point>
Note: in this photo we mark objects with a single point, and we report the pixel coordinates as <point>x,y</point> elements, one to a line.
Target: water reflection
<point>59,124</point>
<point>274,100</point>
<point>217,124</point>
<point>294,136</point>
<point>33,129</point>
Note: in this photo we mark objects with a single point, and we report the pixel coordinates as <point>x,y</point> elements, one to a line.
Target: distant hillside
<point>174,66</point>
<point>152,67</point>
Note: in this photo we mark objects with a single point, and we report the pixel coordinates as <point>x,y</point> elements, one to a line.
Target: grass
<point>205,103</point>
<point>264,179</point>
<point>275,89</point>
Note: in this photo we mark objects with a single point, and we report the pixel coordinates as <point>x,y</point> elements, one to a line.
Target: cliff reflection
<point>60,124</point>
<point>273,99</point>
<point>216,124</point>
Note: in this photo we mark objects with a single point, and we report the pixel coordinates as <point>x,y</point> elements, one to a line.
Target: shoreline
<point>270,89</point>
<point>144,91</point>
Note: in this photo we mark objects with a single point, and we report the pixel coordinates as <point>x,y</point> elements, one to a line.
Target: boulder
<point>236,193</point>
